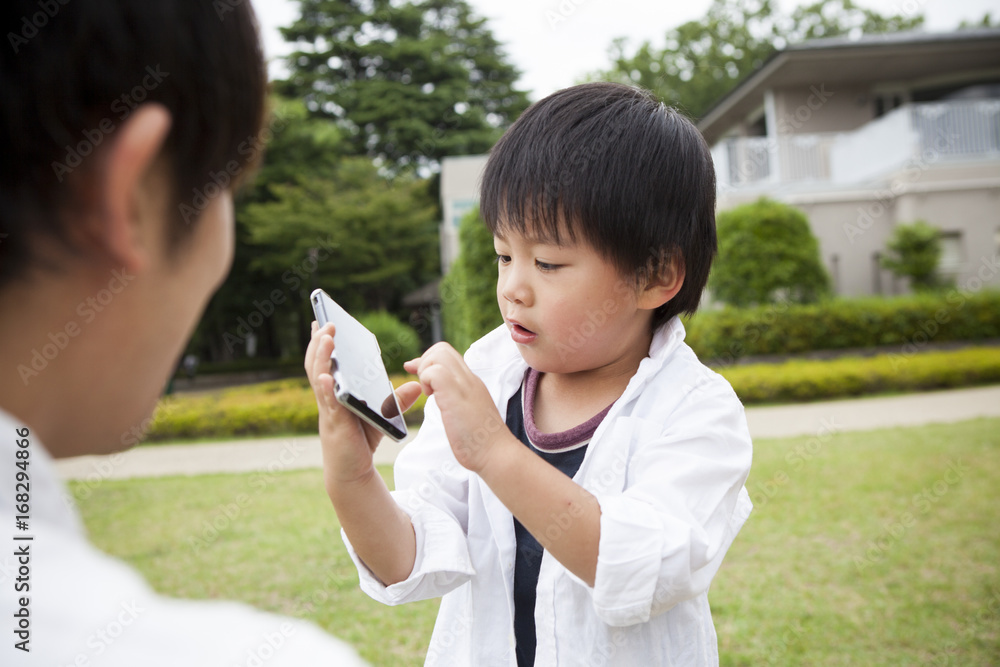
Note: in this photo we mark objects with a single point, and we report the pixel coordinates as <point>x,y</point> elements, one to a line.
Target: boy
<point>579,475</point>
<point>113,114</point>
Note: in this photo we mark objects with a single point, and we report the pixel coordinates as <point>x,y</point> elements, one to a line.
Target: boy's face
<point>567,308</point>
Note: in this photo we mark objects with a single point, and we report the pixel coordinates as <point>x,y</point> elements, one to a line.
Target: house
<point>865,134</point>
<point>862,135</point>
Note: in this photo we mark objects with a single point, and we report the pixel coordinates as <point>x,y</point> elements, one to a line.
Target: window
<point>952,253</point>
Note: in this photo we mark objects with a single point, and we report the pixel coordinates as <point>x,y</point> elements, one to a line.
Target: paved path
<point>275,454</point>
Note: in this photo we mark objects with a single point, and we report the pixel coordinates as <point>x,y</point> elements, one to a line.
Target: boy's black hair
<point>71,72</point>
<point>609,163</point>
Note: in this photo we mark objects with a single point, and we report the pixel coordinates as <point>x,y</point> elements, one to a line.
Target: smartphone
<point>360,381</point>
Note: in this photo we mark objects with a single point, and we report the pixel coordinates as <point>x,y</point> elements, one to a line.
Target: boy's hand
<point>471,419</point>
<point>348,442</point>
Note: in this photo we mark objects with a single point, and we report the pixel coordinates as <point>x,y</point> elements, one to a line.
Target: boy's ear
<point>126,186</point>
<point>662,286</point>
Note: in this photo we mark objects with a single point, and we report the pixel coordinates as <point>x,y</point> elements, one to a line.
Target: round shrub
<point>767,253</point>
<point>399,341</point>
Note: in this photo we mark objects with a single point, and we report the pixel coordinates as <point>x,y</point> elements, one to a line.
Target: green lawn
<point>878,548</point>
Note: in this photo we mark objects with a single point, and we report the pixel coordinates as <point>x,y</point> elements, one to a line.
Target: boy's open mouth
<point>521,335</point>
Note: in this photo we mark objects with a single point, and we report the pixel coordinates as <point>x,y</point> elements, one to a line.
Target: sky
<point>555,43</point>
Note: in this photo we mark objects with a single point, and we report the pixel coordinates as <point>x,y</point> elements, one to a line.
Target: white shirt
<point>87,609</point>
<point>667,465</point>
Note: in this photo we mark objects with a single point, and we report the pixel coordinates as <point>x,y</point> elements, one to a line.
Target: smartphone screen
<point>360,381</point>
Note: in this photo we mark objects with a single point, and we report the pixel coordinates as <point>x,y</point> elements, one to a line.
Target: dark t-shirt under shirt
<point>565,451</point>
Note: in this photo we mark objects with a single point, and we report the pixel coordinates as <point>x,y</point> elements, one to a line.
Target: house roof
<point>903,58</point>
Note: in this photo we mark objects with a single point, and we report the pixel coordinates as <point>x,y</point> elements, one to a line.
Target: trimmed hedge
<point>268,408</point>
<point>797,381</point>
<point>288,406</point>
<point>721,337</point>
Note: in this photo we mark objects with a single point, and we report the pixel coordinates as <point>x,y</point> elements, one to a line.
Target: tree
<point>365,239</point>
<point>987,21</point>
<point>469,291</point>
<point>703,60</point>
<point>767,253</point>
<point>914,252</point>
<point>315,218</point>
<point>409,83</point>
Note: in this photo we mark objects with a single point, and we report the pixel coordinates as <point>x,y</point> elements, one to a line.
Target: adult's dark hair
<point>71,72</point>
<point>609,163</point>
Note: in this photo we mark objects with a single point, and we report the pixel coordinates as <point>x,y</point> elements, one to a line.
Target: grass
<point>875,548</point>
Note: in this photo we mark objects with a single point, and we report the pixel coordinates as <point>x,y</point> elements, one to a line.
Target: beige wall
<point>822,108</point>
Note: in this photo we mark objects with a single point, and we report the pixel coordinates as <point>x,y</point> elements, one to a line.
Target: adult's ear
<point>663,285</point>
<point>129,188</point>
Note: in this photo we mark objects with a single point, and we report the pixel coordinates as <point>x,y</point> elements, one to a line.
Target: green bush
<point>914,251</point>
<point>399,342</point>
<point>796,381</point>
<point>468,292</point>
<point>767,252</point>
<point>269,408</point>
<point>723,336</point>
<point>288,406</point>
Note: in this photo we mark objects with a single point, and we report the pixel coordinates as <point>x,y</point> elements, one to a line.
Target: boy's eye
<point>503,259</point>
<point>545,266</point>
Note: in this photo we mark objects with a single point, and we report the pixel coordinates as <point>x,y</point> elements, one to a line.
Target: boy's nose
<point>515,289</point>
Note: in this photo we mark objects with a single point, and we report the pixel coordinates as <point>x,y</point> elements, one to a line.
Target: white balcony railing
<point>915,133</point>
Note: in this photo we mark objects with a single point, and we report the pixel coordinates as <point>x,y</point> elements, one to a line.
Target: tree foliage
<point>703,60</point>
<point>914,251</point>
<point>469,291</point>
<point>409,83</point>
<point>767,253</point>
<point>315,218</point>
<point>398,342</point>
<point>373,239</point>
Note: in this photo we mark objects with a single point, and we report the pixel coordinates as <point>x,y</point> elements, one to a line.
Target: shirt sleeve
<point>664,537</point>
<point>433,489</point>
